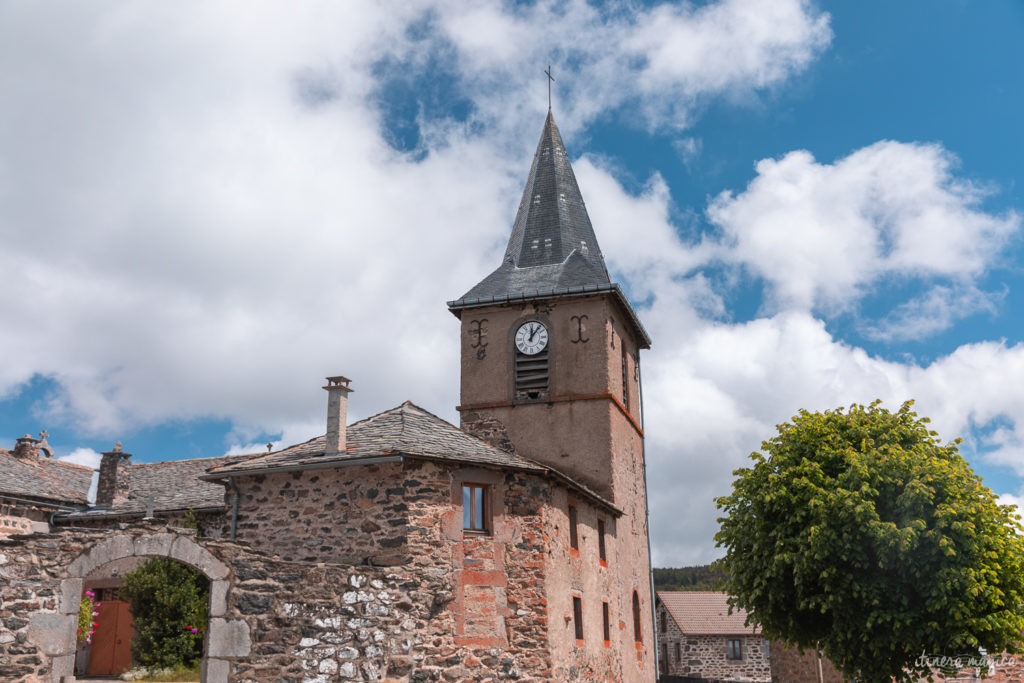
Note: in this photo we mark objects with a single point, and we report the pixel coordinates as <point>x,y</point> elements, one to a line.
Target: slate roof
<point>61,482</point>
<point>553,245</point>
<point>705,613</point>
<point>405,431</point>
<point>553,249</point>
<point>172,485</point>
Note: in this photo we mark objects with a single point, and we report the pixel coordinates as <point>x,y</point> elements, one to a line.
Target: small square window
<point>577,615</point>
<point>734,649</point>
<point>475,509</point>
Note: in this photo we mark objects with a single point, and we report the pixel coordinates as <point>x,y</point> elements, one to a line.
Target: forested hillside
<point>701,578</point>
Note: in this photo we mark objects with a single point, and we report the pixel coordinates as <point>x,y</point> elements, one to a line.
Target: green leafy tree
<point>169,602</point>
<point>857,533</point>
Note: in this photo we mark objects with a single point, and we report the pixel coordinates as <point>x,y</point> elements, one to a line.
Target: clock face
<point>531,338</point>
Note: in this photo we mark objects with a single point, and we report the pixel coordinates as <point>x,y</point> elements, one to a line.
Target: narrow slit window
<point>574,538</point>
<point>606,624</point>
<point>474,507</point>
<point>664,623</point>
<point>601,553</point>
<point>577,615</point>
<point>678,657</point>
<point>638,634</point>
<point>625,377</point>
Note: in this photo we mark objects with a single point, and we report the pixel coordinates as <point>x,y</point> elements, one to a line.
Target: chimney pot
<point>27,447</point>
<point>338,390</point>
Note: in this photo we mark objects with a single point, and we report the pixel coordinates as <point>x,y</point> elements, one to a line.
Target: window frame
<point>734,649</point>
<point>476,490</point>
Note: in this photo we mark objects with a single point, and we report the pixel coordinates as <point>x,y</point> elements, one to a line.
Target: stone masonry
<point>270,619</point>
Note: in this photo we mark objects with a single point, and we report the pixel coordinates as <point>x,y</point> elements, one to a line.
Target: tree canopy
<point>169,601</point>
<point>858,533</point>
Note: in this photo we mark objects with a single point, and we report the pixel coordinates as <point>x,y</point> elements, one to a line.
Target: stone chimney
<point>115,477</point>
<point>26,448</point>
<point>337,414</point>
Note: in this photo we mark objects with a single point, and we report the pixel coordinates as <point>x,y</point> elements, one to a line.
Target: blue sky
<point>205,210</point>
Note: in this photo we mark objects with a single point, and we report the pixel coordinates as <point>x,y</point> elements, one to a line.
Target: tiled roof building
<point>525,527</point>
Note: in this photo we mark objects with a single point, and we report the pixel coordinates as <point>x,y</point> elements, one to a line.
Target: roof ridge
<point>205,457</point>
<point>65,463</point>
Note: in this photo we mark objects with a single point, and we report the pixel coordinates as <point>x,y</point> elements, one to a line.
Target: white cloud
<point>934,311</point>
<point>822,234</point>
<point>89,458</point>
<point>201,216</point>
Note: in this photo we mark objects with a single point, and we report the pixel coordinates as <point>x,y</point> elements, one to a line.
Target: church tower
<point>551,370</point>
<point>550,346</point>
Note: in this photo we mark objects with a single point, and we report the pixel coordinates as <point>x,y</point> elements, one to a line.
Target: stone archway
<point>55,634</point>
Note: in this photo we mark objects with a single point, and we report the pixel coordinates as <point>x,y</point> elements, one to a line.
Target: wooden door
<point>111,652</point>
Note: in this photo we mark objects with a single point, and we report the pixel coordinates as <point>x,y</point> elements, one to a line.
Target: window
<point>625,378</point>
<point>600,541</point>
<point>606,622</point>
<point>577,615</point>
<point>664,623</point>
<point>638,634</point>
<point>663,664</point>
<point>678,656</point>
<point>474,507</point>
<point>734,649</point>
<point>574,539</point>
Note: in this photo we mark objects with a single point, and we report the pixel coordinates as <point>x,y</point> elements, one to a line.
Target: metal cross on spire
<point>551,79</point>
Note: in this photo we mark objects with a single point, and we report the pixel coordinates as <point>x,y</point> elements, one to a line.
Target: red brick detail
<point>474,578</point>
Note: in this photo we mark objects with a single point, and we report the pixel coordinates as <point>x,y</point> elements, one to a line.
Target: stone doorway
<point>133,550</point>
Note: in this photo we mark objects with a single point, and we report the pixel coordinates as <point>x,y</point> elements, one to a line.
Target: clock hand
<point>533,331</point>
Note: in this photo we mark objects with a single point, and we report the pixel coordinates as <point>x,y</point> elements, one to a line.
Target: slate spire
<point>553,246</point>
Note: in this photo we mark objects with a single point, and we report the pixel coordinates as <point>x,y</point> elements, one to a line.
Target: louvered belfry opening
<point>532,375</point>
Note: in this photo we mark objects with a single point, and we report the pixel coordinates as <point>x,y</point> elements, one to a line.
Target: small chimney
<point>26,448</point>
<point>337,414</point>
<point>115,477</point>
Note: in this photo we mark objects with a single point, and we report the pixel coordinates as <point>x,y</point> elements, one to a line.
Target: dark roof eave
<point>106,512</point>
<point>457,306</point>
<point>59,503</point>
<point>331,464</point>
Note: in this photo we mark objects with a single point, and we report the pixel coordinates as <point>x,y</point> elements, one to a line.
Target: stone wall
<point>23,518</point>
<point>343,515</point>
<point>271,620</point>
<point>704,656</point>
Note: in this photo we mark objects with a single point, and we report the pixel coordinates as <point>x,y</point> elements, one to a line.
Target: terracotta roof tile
<point>705,613</point>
